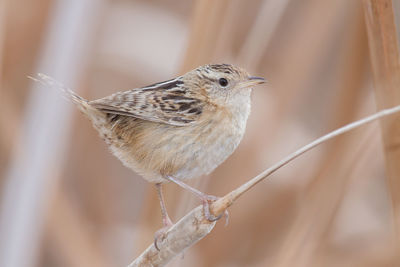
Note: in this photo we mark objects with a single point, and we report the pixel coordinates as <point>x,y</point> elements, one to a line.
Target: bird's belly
<point>181,152</point>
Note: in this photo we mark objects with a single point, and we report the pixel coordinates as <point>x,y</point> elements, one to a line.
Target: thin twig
<point>193,227</point>
<point>221,204</point>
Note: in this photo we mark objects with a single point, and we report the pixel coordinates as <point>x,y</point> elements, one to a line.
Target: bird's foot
<point>206,200</point>
<point>160,235</point>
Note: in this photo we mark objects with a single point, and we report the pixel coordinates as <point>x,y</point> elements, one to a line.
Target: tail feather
<point>48,81</point>
<point>98,118</point>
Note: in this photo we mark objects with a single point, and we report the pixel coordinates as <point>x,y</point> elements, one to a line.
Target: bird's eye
<point>223,82</point>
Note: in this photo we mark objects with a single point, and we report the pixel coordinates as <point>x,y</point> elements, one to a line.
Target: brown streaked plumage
<point>177,129</point>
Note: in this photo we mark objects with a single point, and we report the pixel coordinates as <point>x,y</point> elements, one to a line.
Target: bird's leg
<point>165,218</point>
<point>205,199</point>
<point>167,223</point>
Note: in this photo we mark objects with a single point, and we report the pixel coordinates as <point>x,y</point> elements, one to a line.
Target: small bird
<point>174,130</point>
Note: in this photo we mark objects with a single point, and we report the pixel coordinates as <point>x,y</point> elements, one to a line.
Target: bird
<point>174,130</point>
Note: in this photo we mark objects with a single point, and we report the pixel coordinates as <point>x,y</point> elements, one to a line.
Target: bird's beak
<point>252,81</point>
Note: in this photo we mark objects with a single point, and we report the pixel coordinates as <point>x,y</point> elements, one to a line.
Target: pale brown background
<point>331,207</point>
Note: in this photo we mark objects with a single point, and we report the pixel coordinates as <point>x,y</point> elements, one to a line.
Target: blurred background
<point>66,201</point>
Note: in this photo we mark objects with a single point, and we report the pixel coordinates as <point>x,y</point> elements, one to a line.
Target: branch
<point>187,231</point>
<point>194,226</point>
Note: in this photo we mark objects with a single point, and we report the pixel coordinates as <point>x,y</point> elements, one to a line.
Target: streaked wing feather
<point>164,102</point>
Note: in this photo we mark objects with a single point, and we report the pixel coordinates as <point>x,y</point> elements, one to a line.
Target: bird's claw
<point>206,200</point>
<point>161,234</point>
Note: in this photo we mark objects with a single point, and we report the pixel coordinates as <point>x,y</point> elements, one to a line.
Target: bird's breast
<point>212,141</point>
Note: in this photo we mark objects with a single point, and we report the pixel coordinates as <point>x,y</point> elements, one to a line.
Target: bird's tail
<point>48,81</point>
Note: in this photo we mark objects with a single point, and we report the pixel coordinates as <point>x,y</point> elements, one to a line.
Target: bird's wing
<point>164,102</point>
